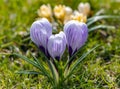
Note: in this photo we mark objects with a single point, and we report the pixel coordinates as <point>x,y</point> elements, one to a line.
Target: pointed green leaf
<point>28,60</point>
<point>101,27</point>
<point>72,68</point>
<point>68,61</point>
<point>96,18</point>
<point>54,72</point>
<point>34,64</point>
<point>101,11</point>
<point>28,72</point>
<point>44,71</point>
<point>39,63</point>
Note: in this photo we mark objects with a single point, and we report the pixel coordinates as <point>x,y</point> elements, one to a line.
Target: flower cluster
<point>74,35</point>
<point>64,13</point>
<point>57,29</point>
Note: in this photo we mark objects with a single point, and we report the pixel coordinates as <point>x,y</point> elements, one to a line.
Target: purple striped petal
<point>40,31</point>
<point>76,35</point>
<point>57,45</point>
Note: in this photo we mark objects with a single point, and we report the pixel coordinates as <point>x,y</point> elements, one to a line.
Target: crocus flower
<point>84,8</point>
<point>78,16</point>
<point>45,11</point>
<point>57,45</point>
<point>68,13</point>
<point>59,12</point>
<point>68,10</point>
<point>76,35</point>
<point>40,31</point>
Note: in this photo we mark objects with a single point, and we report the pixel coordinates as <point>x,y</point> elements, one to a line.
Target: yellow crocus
<point>84,8</point>
<point>45,11</point>
<point>79,17</point>
<point>68,13</point>
<point>59,12</point>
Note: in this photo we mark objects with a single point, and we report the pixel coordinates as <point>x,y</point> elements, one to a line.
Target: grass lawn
<point>99,70</point>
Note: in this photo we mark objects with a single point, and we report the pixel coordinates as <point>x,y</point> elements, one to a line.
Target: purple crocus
<point>40,31</point>
<point>57,45</point>
<point>76,35</point>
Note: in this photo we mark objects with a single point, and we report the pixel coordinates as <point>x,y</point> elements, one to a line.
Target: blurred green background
<point>100,70</point>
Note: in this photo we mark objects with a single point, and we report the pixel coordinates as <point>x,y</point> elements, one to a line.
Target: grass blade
<point>54,72</point>
<point>44,71</point>
<point>101,11</point>
<point>96,18</point>
<point>28,72</point>
<point>78,61</point>
<point>101,27</point>
<point>67,63</point>
<point>52,69</point>
<point>28,60</point>
<point>39,63</point>
<point>34,64</point>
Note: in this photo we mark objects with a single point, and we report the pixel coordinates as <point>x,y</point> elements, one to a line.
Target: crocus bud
<point>40,31</point>
<point>68,13</point>
<point>79,17</point>
<point>68,10</point>
<point>76,35</point>
<point>59,12</point>
<point>84,8</point>
<point>57,45</point>
<point>45,11</point>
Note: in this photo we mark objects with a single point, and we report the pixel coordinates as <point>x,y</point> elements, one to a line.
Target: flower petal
<point>40,31</point>
<point>57,45</point>
<point>76,35</point>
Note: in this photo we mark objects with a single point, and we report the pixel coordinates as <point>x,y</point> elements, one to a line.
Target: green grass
<point>100,70</point>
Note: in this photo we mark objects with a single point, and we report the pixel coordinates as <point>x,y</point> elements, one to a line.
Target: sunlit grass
<point>100,70</point>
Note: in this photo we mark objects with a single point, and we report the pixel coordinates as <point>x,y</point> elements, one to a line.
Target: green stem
<point>7,44</point>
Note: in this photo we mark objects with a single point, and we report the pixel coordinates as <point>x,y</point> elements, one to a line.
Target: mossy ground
<point>100,70</point>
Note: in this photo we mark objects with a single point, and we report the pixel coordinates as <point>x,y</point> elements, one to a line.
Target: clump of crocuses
<point>71,38</point>
<point>58,68</point>
<point>74,36</point>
